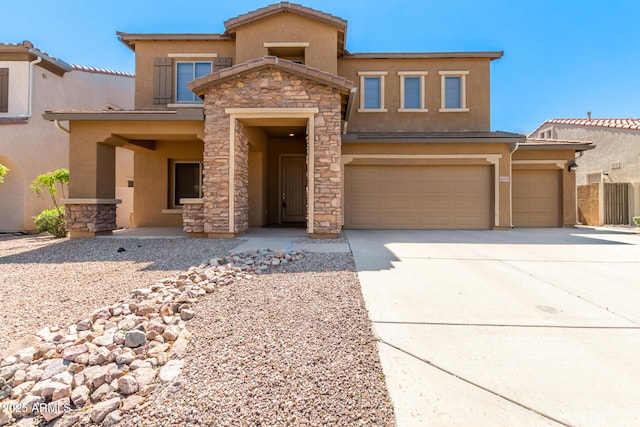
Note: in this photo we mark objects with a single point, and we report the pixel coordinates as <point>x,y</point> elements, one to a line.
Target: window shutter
<point>4,90</point>
<point>222,62</point>
<point>162,80</point>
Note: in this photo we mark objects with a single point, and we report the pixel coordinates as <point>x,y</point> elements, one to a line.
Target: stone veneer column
<point>90,218</point>
<point>193,216</point>
<point>241,205</point>
<point>215,183</point>
<point>327,218</point>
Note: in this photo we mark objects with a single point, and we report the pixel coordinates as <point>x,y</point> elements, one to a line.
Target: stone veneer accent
<point>269,88</point>
<point>93,218</point>
<point>589,204</point>
<point>193,217</point>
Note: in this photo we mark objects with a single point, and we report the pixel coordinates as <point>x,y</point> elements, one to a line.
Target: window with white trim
<point>186,181</point>
<point>185,72</point>
<point>372,91</point>
<point>412,91</point>
<point>454,91</point>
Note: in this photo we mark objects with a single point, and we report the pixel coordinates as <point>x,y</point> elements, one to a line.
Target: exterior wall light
<point>573,167</point>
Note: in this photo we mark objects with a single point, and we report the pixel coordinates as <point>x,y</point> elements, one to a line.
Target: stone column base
<point>90,217</point>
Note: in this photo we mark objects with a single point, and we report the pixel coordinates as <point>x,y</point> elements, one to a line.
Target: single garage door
<point>536,197</point>
<point>418,197</point>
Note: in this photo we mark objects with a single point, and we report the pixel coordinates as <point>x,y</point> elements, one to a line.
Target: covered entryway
<point>537,199</point>
<point>418,196</point>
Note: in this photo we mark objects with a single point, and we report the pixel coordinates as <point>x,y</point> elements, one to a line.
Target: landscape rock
<point>171,370</point>
<point>102,409</point>
<point>80,395</point>
<point>135,338</point>
<point>127,385</point>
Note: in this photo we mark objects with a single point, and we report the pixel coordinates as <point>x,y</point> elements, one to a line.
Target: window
<point>454,92</point>
<point>186,182</point>
<point>372,91</point>
<point>185,72</point>
<point>4,90</point>
<point>412,91</point>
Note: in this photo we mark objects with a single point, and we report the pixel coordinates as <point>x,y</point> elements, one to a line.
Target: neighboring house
<point>614,160</point>
<point>30,82</point>
<point>274,122</point>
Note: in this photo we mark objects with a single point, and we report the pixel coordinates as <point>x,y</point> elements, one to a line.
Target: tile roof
<point>633,124</point>
<point>199,85</point>
<point>101,71</point>
<point>246,18</point>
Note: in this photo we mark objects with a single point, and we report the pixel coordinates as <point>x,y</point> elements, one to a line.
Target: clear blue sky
<point>562,57</point>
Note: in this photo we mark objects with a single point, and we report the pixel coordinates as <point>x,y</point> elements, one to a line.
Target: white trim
<point>311,140</point>
<point>493,159</point>
<point>463,91</point>
<point>91,201</point>
<point>192,55</point>
<point>381,75</point>
<point>422,75</point>
<point>278,113</point>
<point>275,113</point>
<point>232,173</point>
<point>560,164</point>
<point>285,44</point>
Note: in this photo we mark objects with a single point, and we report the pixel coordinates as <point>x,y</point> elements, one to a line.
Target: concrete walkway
<point>514,328</point>
<point>255,238</point>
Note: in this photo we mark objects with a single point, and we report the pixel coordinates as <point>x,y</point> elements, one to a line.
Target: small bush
<point>51,221</point>
<point>636,221</point>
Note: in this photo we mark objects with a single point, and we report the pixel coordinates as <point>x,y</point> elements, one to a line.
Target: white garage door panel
<point>536,198</point>
<point>418,197</point>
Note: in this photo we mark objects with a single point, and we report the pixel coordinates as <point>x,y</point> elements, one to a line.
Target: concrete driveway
<point>516,328</point>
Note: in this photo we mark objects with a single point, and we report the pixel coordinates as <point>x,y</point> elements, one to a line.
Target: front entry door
<point>293,175</point>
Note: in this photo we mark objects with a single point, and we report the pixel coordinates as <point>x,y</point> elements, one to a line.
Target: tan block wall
<point>588,204</point>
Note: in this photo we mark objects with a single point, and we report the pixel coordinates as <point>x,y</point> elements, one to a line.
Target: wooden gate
<point>616,203</point>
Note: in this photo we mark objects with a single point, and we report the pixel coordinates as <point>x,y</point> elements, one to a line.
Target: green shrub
<point>636,221</point>
<point>51,221</point>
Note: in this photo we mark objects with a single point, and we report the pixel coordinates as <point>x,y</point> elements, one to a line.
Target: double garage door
<point>418,197</point>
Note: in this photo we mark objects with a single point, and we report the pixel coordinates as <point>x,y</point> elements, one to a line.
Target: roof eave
<point>423,55</point>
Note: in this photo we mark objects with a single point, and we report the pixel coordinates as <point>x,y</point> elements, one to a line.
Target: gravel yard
<point>53,282</point>
<point>292,346</point>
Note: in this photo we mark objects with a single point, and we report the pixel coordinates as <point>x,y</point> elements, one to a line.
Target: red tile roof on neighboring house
<point>101,71</point>
<point>633,124</point>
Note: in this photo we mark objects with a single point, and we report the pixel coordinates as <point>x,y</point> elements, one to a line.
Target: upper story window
<point>412,91</point>
<point>454,91</point>
<point>372,91</point>
<point>185,72</point>
<point>4,90</point>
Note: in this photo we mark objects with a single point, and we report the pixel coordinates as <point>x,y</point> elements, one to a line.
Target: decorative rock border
<point>108,362</point>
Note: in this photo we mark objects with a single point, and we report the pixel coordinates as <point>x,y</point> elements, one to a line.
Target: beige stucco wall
<point>37,147</point>
<point>258,176</point>
<point>477,90</point>
<point>288,28</point>
<point>18,88</point>
<point>147,51</point>
<point>151,201</point>
<point>611,146</point>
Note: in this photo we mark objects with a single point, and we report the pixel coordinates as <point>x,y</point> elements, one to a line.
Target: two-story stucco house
<point>275,122</point>
<point>30,82</point>
<point>615,159</point>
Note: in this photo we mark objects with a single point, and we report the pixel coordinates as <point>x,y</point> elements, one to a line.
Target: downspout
<point>515,148</point>
<point>31,64</point>
<point>60,127</point>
